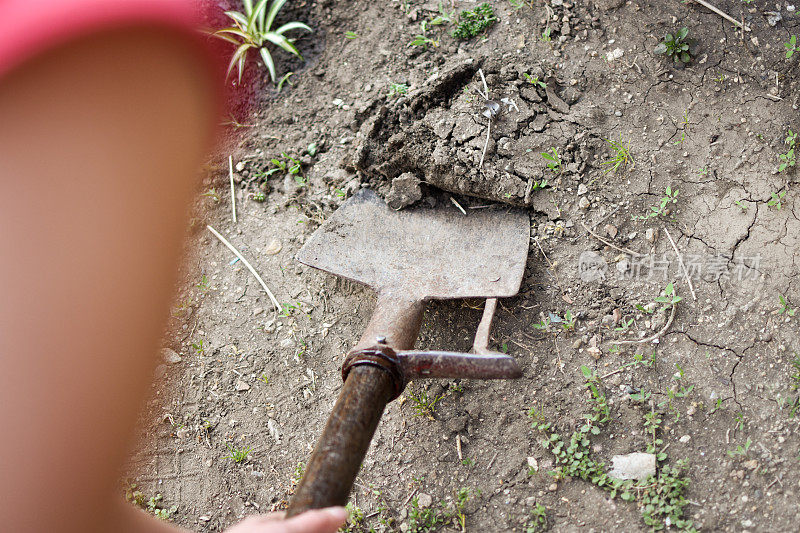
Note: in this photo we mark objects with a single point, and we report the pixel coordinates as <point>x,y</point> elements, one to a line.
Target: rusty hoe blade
<point>409,258</point>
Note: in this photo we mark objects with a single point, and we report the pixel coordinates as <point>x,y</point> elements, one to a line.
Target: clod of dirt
<point>636,466</point>
<point>449,134</point>
<point>404,192</point>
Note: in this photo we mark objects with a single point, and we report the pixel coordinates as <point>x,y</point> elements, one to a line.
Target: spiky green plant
<point>253,29</point>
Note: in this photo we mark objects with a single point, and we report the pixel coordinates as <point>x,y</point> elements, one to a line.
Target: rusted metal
<point>408,258</point>
<point>423,253</point>
<point>380,356</point>
<point>337,457</point>
<point>437,364</point>
<point>481,343</point>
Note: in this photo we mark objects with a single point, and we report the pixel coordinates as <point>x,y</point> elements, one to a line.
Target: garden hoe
<point>408,257</point>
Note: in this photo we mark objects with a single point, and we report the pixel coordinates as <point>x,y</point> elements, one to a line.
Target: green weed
<point>661,498</point>
<point>537,521</point>
<point>621,156</point>
<point>422,404</point>
<point>434,517</point>
<point>284,79</point>
<point>238,455</point>
<point>553,160</point>
<point>791,46</point>
<point>741,450</point>
<point>199,347</point>
<point>397,89</point>
<point>776,200</point>
<point>675,46</point>
<point>253,30</point>
<point>472,23</point>
<point>671,197</point>
<point>534,80</point>
<point>785,309</point>
<point>789,159</point>
<point>351,35</point>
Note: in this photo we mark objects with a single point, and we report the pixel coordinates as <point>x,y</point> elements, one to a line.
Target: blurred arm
<point>99,147</point>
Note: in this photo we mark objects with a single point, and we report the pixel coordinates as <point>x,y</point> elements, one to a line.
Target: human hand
<point>316,521</point>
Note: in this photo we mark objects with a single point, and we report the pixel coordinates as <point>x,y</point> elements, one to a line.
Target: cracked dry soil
<point>712,131</point>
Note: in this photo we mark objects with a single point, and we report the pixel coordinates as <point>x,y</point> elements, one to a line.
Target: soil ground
<point>723,379</point>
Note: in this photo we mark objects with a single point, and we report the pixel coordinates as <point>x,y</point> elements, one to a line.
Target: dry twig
<point>233,190</point>
<point>248,265</point>
<point>599,238</point>
<point>722,14</point>
<point>680,262</point>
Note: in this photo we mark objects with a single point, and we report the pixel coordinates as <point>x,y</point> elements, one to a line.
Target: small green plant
<point>288,309</point>
<point>284,79</point>
<point>422,404</point>
<point>238,455</point>
<point>339,193</point>
<point>741,450</point>
<point>538,520</point>
<point>472,23</point>
<point>742,206</point>
<point>199,347</point>
<point>258,196</point>
<point>679,390</point>
<point>397,89</point>
<point>670,298</point>
<point>545,38</point>
<point>153,505</point>
<point>569,321</point>
<point>785,309</point>
<point>534,80</point>
<point>468,461</point>
<point>553,160</point>
<point>543,325</point>
<point>675,46</point>
<point>661,498</point>
<point>621,156</point>
<point>671,197</point>
<point>213,194</point>
<point>265,378</point>
<point>424,41</point>
<point>789,159</point>
<point>433,518</point>
<point>776,200</point>
<point>134,495</point>
<point>287,164</point>
<point>253,30</point>
<point>355,519</point>
<point>297,474</point>
<point>602,414</point>
<point>351,35</point>
<point>791,46</point>
<point>203,283</point>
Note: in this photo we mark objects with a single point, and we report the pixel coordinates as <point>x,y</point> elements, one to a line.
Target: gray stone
<point>241,386</point>
<point>161,370</point>
<point>633,466</point>
<point>424,500</point>
<point>170,356</point>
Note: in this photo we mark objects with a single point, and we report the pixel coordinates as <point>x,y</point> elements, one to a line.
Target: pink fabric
<point>31,27</point>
